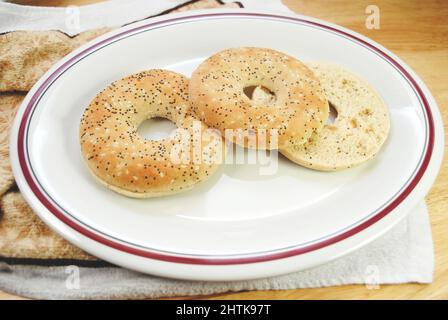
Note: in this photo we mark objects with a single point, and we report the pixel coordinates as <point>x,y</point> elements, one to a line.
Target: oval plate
<point>248,220</point>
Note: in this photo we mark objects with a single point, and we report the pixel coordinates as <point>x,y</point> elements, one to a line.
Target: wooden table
<point>417,32</point>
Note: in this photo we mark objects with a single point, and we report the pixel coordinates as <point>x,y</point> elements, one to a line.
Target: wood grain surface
<point>417,31</point>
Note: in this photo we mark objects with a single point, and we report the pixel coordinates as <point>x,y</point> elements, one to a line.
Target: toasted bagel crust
<point>132,165</point>
<point>218,99</point>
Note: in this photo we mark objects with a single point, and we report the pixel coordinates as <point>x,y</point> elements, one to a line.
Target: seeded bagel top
<point>217,95</point>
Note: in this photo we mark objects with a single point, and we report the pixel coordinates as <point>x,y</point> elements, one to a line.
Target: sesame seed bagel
<point>297,109</point>
<point>359,130</point>
<point>129,164</point>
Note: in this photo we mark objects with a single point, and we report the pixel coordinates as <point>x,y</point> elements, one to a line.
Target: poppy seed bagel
<point>129,164</point>
<point>217,96</point>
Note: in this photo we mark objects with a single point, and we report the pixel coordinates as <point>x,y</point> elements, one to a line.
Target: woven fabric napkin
<point>35,262</point>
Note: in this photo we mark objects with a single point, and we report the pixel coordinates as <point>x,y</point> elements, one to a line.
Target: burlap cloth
<point>24,57</point>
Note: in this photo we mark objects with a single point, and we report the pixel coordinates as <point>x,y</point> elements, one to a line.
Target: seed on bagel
<point>127,163</point>
<point>296,109</point>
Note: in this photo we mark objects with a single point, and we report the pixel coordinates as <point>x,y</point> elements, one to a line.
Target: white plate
<point>240,224</point>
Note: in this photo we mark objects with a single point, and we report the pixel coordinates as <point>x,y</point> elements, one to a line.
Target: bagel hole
<point>260,95</point>
<point>332,115</point>
<point>156,128</point>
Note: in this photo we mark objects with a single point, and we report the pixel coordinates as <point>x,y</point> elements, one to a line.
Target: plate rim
<point>28,104</point>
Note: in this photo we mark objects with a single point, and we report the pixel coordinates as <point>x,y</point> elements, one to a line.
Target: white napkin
<point>75,19</point>
<point>404,254</point>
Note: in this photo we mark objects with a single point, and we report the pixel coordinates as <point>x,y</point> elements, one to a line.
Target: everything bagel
<point>298,107</point>
<point>129,164</point>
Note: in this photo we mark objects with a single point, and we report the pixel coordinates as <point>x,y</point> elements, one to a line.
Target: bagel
<point>297,109</point>
<point>359,130</point>
<point>131,165</point>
